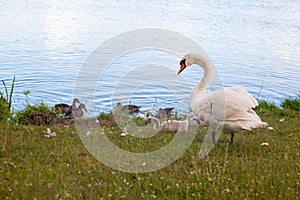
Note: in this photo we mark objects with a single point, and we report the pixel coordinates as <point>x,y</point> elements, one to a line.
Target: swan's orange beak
<point>182,66</point>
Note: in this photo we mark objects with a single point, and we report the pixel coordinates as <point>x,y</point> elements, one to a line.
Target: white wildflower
<point>48,133</point>
<point>281,120</point>
<point>264,144</point>
<point>123,134</point>
<point>226,191</point>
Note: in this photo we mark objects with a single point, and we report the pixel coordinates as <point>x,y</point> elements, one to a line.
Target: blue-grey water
<point>45,43</point>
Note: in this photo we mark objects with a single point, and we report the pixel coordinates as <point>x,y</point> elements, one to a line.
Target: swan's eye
<point>182,62</point>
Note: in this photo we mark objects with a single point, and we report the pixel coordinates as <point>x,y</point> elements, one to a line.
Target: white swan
<point>172,125</point>
<point>234,112</point>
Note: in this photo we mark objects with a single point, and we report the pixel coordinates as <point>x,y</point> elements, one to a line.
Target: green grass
<point>292,103</point>
<point>35,167</point>
<point>6,101</point>
<point>23,116</point>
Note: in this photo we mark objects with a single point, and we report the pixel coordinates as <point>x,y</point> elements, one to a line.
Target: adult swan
<point>230,107</point>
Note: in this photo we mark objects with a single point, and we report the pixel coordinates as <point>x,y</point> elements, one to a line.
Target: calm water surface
<point>45,43</point>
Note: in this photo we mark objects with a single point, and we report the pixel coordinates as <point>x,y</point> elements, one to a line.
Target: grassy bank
<point>35,167</point>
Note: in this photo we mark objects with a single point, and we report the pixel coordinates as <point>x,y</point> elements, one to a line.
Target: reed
<point>6,101</point>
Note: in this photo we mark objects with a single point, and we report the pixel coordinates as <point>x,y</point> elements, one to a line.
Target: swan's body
<point>172,125</point>
<point>231,107</point>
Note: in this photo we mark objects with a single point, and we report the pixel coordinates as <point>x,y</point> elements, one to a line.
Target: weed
<point>6,102</point>
<point>292,103</point>
<point>23,116</point>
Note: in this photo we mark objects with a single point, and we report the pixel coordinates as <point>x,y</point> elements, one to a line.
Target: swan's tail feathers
<point>237,126</point>
<point>254,125</point>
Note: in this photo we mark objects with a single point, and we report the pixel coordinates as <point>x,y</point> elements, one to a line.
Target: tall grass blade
<point>5,89</point>
<point>11,92</point>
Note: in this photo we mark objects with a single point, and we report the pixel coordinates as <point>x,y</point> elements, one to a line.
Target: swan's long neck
<point>208,73</point>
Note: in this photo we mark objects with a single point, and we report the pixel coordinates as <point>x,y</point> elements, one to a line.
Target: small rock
<point>270,128</point>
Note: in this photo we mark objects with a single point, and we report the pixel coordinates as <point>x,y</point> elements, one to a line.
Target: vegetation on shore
<point>36,167</point>
<point>6,102</point>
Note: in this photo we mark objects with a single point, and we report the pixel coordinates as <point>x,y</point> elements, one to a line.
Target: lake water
<point>45,44</point>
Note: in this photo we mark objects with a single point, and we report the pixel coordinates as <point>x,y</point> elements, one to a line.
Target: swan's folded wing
<point>244,95</point>
<point>238,100</point>
<point>223,104</point>
<point>249,116</point>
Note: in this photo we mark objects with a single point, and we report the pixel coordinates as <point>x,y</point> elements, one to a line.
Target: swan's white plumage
<point>230,106</point>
